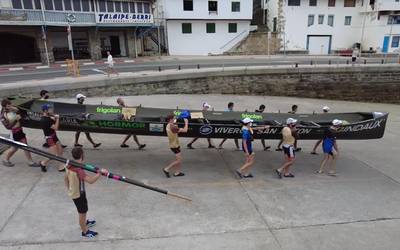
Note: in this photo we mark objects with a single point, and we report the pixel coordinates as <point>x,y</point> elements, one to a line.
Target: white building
<point>201,27</point>
<point>328,26</point>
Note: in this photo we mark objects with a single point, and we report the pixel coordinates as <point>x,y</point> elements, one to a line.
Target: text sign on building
<point>123,18</point>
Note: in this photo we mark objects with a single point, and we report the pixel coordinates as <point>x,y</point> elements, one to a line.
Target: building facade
<point>202,27</point>
<point>37,30</point>
<point>330,26</point>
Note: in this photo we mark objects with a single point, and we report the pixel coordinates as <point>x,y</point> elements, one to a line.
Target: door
<point>385,47</point>
<point>319,45</point>
<point>115,48</point>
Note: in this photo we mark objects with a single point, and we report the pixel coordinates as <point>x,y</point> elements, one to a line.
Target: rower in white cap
<point>206,107</point>
<point>325,110</point>
<point>80,98</point>
<point>247,139</point>
<point>330,148</point>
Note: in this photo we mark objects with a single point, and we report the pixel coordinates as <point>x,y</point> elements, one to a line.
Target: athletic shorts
<point>19,135</point>
<point>289,151</point>
<point>328,150</point>
<point>81,204</point>
<point>176,150</point>
<point>52,140</point>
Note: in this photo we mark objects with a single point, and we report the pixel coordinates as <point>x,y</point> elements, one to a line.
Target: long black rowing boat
<point>210,124</point>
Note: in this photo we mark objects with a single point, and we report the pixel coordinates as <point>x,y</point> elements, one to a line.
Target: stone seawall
<point>378,83</point>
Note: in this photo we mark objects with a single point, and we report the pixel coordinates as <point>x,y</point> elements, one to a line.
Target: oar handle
<point>179,196</point>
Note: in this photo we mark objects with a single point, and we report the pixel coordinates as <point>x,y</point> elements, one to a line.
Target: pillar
<point>131,43</point>
<point>42,48</point>
<point>94,44</point>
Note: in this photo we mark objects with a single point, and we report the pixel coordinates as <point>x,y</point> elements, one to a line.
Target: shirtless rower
<point>121,103</point>
<point>288,140</point>
<point>81,99</point>
<point>231,106</point>
<point>261,109</point>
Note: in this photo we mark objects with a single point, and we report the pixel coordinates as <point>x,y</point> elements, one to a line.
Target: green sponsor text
<point>109,110</point>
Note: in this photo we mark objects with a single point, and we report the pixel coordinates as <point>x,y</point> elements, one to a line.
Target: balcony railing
<point>32,17</point>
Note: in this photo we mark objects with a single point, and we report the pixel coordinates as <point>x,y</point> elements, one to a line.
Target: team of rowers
<point>50,124</point>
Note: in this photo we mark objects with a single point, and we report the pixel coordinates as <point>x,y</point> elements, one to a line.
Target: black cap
<point>43,92</point>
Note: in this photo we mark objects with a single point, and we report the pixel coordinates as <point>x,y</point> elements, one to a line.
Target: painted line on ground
<point>16,69</point>
<point>129,61</point>
<point>89,63</point>
<point>42,67</point>
<point>99,71</point>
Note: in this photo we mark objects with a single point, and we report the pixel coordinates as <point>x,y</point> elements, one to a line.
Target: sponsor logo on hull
<point>206,130</point>
<point>108,110</point>
<point>115,124</point>
<point>156,127</point>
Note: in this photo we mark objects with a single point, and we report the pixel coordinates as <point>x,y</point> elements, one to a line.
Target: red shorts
<point>52,140</point>
<point>18,135</point>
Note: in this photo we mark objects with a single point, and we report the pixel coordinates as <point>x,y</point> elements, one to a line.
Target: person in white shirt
<point>110,67</point>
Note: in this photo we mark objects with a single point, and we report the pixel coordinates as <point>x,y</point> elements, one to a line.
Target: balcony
<point>35,17</point>
<point>388,6</point>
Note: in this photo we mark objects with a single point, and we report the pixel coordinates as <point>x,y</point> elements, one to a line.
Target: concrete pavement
<point>356,210</point>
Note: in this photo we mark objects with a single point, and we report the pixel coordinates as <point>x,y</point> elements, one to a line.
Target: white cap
<point>206,105</point>
<point>247,120</point>
<point>291,121</point>
<point>325,108</point>
<point>79,96</point>
<point>337,122</point>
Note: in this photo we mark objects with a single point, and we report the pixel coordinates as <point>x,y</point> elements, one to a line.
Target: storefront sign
<point>123,18</point>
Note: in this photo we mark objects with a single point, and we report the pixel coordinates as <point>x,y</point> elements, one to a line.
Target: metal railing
<point>233,39</point>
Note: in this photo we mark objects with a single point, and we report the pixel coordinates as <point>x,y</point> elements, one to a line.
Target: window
<point>117,6</point>
<point>313,2</point>
<point>186,28</point>
<point>232,27</point>
<point>146,7</point>
<point>235,6</point>
<point>349,3</point>
<point>331,19</point>
<point>48,4</point>
<point>294,3</point>
<point>132,7</point>
<point>58,5</point>
<point>139,7</point>
<point>188,5</point>
<point>331,3</point>
<point>210,27</point>
<point>394,20</point>
<point>310,20</point>
<point>77,5</point>
<point>110,6</point>
<point>38,4</point>
<point>347,20</point>
<point>395,41</point>
<point>321,19</point>
<point>17,4</point>
<point>125,7</point>
<point>212,6</point>
<point>68,6</point>
<point>85,5</point>
<point>28,4</point>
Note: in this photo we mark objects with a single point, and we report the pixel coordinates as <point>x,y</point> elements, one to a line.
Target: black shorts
<point>81,204</point>
<point>289,151</point>
<point>176,150</point>
<point>19,136</point>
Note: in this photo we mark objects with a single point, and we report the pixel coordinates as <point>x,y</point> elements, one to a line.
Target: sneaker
<point>248,176</point>
<point>319,172</point>
<point>142,146</point>
<point>278,149</point>
<point>124,146</point>
<point>179,175</point>
<point>78,145</point>
<point>278,173</point>
<point>332,173</point>
<point>33,165</point>
<point>314,153</point>
<point>211,146</point>
<point>297,149</point>
<point>8,163</point>
<point>189,146</point>
<point>166,173</point>
<point>90,223</point>
<point>239,174</point>
<point>290,175</point>
<point>43,167</point>
<point>45,145</point>
<point>63,146</point>
<point>89,234</point>
<point>267,148</point>
<point>97,145</point>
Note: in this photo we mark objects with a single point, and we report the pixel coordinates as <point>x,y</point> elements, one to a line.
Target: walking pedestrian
<point>110,65</point>
<point>81,99</point>
<point>325,110</point>
<point>231,106</point>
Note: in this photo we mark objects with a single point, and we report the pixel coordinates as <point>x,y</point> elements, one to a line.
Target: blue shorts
<point>289,151</point>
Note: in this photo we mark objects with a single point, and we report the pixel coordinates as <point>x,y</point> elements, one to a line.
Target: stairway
<point>256,43</point>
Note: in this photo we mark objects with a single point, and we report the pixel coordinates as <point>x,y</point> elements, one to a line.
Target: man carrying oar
<point>75,179</point>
